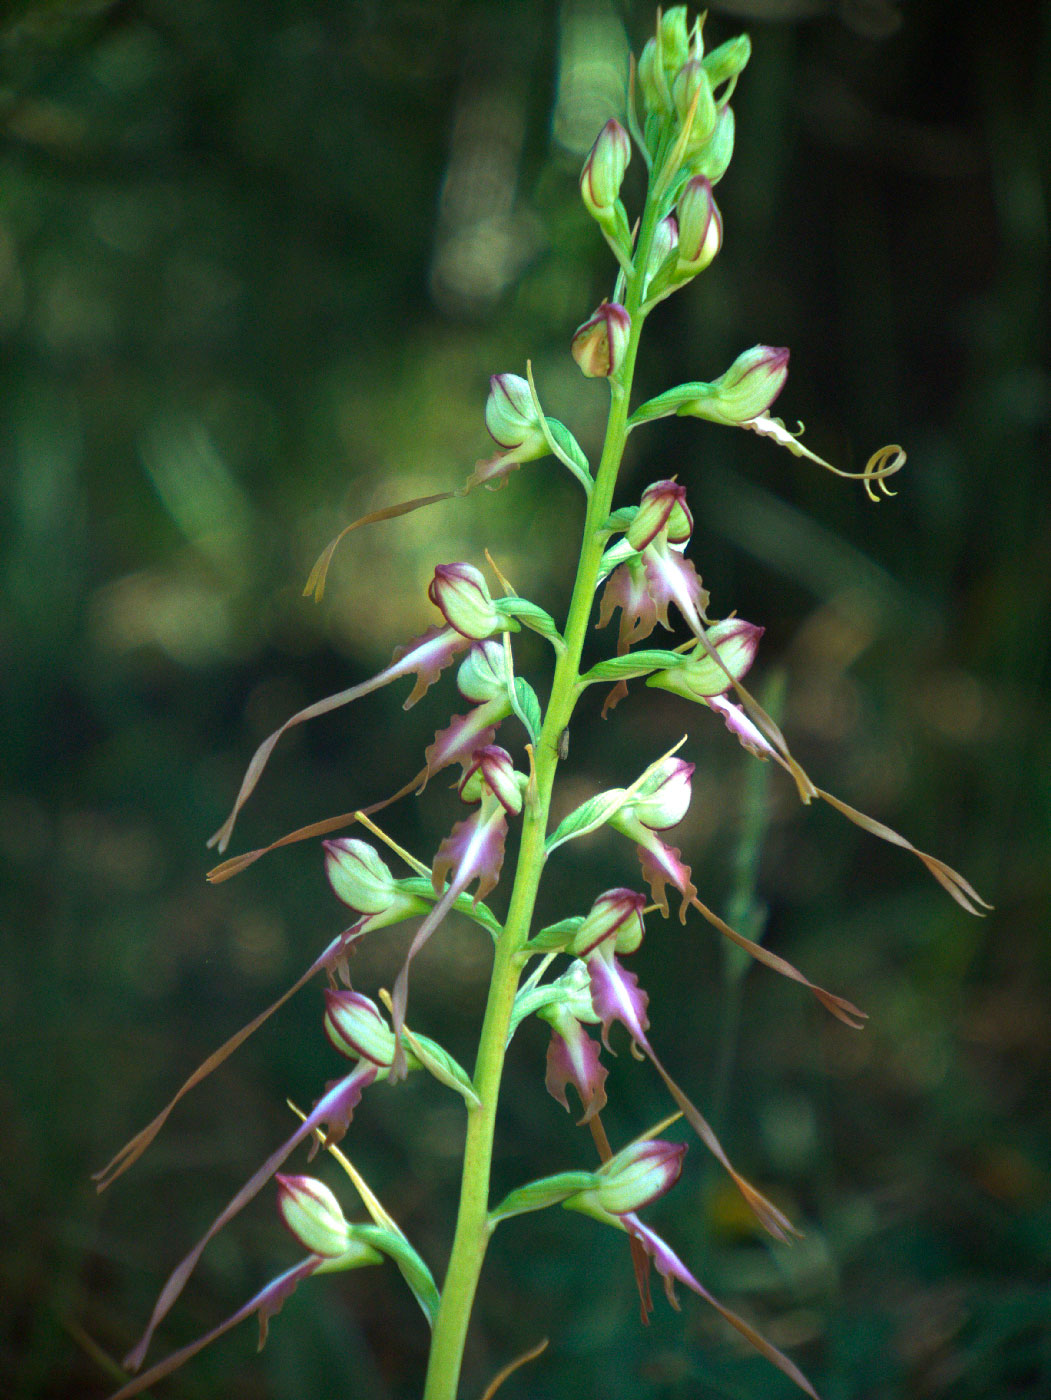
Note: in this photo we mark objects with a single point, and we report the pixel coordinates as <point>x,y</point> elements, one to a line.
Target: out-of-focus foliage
<point>256,263</point>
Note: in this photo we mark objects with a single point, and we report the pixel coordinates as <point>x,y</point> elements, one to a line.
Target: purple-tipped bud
<point>662,508</point>
<point>692,85</point>
<point>665,241</point>
<point>664,799</point>
<point>493,771</point>
<point>745,391</point>
<point>313,1215</point>
<point>460,591</point>
<point>700,677</point>
<point>603,172</point>
<point>512,419</point>
<point>358,877</point>
<point>356,1028</point>
<point>481,675</point>
<point>616,915</point>
<point>700,225</point>
<point>599,345</point>
<point>632,1179</point>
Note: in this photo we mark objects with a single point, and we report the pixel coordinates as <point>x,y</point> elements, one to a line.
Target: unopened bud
<point>492,770</point>
<point>728,60</point>
<point>713,159</point>
<point>356,1028</point>
<point>700,226</point>
<point>692,86</point>
<point>664,798</point>
<point>603,172</point>
<point>745,391</point>
<point>599,345</point>
<point>662,508</point>
<point>700,676</point>
<point>460,591</point>
<point>481,675</point>
<point>632,1179</point>
<point>358,876</point>
<point>313,1215</point>
<point>512,419</point>
<point>617,915</point>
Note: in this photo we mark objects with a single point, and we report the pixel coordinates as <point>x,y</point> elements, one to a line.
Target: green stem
<point>472,1223</point>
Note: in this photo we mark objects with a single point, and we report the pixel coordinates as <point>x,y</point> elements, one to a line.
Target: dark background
<point>256,264</point>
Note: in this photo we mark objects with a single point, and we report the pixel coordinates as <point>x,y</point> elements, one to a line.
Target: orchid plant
<point>573,974</point>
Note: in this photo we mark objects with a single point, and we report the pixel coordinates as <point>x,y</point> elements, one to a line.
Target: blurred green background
<point>256,264</point>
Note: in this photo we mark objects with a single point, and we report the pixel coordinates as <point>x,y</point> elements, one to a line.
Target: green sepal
<point>671,401</point>
<point>532,616</point>
<point>413,1270</point>
<point>463,903</point>
<point>527,707</point>
<point>436,1060</point>
<point>635,663</point>
<point>539,1194</point>
<point>589,816</point>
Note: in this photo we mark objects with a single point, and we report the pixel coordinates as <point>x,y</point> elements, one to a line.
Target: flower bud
<point>728,60</point>
<point>617,915</point>
<point>745,391</point>
<point>692,85</point>
<point>664,798</point>
<point>481,675</point>
<point>713,158</point>
<point>358,877</point>
<point>632,1179</point>
<point>700,676</point>
<point>663,507</point>
<point>599,345</point>
<point>603,172</point>
<point>493,771</point>
<point>512,419</point>
<point>665,241</point>
<point>460,591</point>
<point>700,226</point>
<point>356,1028</point>
<point>313,1215</point>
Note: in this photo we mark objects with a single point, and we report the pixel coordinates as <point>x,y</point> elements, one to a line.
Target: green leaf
<point>620,520</point>
<point>572,991</point>
<point>437,1061</point>
<point>589,816</point>
<point>618,553</point>
<point>664,405</point>
<point>413,1270</point>
<point>570,452</point>
<point>635,663</point>
<point>555,936</point>
<point>538,1195</point>
<point>527,708</point>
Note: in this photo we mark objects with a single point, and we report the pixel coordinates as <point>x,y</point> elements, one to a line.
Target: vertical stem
<point>472,1226</point>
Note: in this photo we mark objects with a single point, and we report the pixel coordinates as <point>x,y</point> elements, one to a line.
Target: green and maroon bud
<point>356,1028</point>
<point>665,241</point>
<point>662,508</point>
<point>700,676</point>
<point>631,1179</point>
<point>512,420</point>
<point>603,172</point>
<point>460,591</point>
<point>482,674</point>
<point>314,1216</point>
<point>700,226</point>
<point>663,799</point>
<point>358,876</point>
<point>599,345</point>
<point>492,771</point>
<point>616,915</point>
<point>745,391</point>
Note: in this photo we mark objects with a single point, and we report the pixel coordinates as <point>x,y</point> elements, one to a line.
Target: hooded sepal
<point>635,1177</point>
<point>699,675</point>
